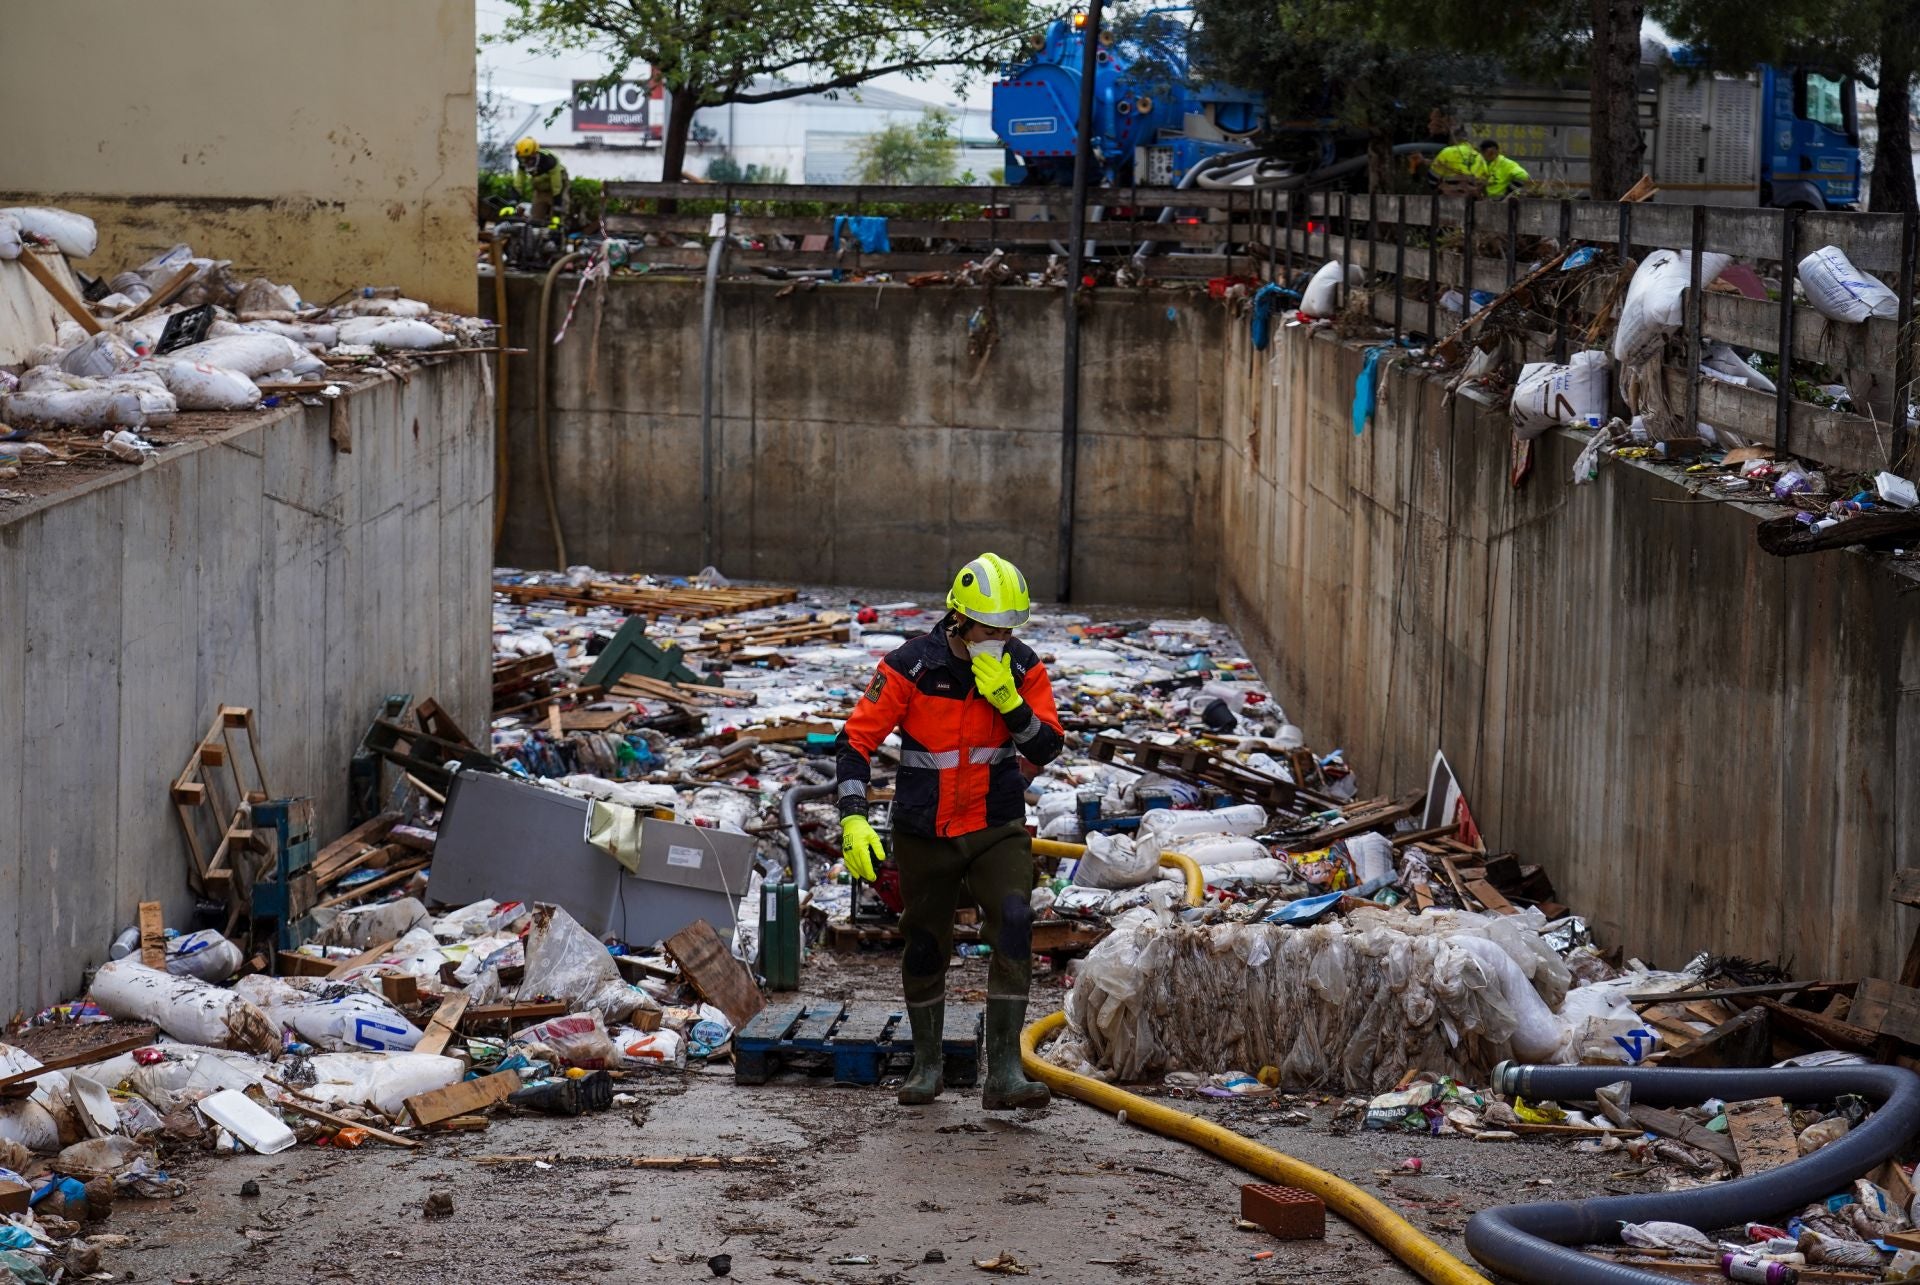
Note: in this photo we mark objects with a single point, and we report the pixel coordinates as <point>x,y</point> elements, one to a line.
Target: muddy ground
<point>1071,1193</point>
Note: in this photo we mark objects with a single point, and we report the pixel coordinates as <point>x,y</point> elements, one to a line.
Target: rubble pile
<point>181,334</point>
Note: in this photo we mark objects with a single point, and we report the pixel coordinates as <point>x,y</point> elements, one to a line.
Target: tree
<point>924,152</point>
<point>724,169</point>
<point>1876,40</point>
<point>1617,153</point>
<point>711,52</point>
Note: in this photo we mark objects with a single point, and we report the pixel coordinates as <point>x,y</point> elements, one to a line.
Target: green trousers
<point>993,869</point>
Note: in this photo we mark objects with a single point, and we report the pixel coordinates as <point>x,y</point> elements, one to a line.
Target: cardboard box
<point>14,1197</point>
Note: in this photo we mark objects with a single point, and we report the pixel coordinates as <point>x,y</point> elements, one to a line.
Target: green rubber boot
<point>1007,1087</point>
<point>925,1081</point>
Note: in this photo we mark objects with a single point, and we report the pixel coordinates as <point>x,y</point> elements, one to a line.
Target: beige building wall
<point>327,145</point>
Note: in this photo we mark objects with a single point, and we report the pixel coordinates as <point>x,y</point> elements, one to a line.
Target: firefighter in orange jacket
<point>969,700</point>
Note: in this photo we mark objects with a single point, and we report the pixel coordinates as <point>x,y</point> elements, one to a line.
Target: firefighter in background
<point>542,179</point>
<point>969,701</point>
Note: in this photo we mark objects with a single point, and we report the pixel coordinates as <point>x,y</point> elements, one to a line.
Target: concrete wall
<point>1707,747</point>
<point>860,444</point>
<point>258,568</point>
<point>326,145</point>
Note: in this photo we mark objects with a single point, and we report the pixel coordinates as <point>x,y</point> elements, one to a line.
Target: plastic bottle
<point>126,943</point>
<point>1745,1267</point>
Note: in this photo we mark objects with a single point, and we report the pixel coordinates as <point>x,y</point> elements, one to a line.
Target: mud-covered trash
<point>438,1204</point>
<point>189,1010</point>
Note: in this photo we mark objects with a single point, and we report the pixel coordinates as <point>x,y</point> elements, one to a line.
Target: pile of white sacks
<point>261,331</point>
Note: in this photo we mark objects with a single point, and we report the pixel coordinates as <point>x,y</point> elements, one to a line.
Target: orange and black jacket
<point>958,772</point>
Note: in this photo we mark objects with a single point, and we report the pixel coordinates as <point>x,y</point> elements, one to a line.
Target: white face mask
<point>992,647</point>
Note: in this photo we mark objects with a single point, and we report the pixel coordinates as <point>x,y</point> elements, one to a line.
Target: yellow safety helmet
<point>526,148</point>
<point>992,591</point>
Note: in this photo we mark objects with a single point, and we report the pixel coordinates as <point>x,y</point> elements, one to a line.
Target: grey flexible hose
<point>541,343</point>
<point>790,819</point>
<point>1527,1242</point>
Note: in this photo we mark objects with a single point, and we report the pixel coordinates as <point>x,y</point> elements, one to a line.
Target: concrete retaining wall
<point>1706,746</point>
<point>260,568</point>
<point>859,443</point>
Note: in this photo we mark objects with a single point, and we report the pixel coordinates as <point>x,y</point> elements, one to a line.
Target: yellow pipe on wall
<point>1196,886</point>
<point>1387,1229</point>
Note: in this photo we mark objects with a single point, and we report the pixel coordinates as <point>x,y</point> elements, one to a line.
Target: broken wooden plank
<point>1822,1030</point>
<point>341,1122</point>
<point>84,1058</point>
<point>364,835</point>
<point>714,973</point>
<point>1743,1040</point>
<point>1906,886</point>
<point>468,1097</point>
<point>514,1014</point>
<point>401,988</point>
<point>1489,896</point>
<point>1678,1127</point>
<point>1762,1133</point>
<point>153,935</point>
<point>365,957</point>
<point>293,963</point>
<point>446,1020</point>
<point>399,874</point>
<point>50,281</point>
<point>1887,1008</point>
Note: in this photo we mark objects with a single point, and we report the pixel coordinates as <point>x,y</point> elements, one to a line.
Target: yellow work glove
<point>993,675</point>
<point>860,847</point>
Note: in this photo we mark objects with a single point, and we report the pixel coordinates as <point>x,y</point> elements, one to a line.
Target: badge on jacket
<point>878,685</point>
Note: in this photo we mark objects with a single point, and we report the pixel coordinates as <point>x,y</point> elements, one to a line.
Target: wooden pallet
<point>1196,766</point>
<point>773,633</point>
<point>207,807</point>
<point>638,687</point>
<point>687,603</point>
<point>856,1045</point>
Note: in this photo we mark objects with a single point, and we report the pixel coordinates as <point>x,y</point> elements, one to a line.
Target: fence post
<point>1560,310</point>
<point>1466,260</point>
<point>1693,315</point>
<point>1513,240</point>
<point>1346,245</point>
<point>1783,393</point>
<point>1903,353</point>
<point>1227,271</point>
<point>1287,247</point>
<point>1433,259</point>
<point>1273,237</point>
<point>1399,263</point>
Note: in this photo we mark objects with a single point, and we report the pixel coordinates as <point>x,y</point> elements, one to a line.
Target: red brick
<point>1287,1212</point>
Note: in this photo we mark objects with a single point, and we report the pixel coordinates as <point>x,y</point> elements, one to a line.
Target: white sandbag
<point>381,1080</point>
<point>1656,300</point>
<point>1841,291</point>
<point>1722,363</point>
<point>331,1015</point>
<point>99,356</point>
<point>132,285</point>
<point>262,295</point>
<point>206,955</point>
<point>1320,297</point>
<point>1111,861</point>
<point>1207,849</point>
<point>253,354</point>
<point>383,308</point>
<point>308,334</point>
<point>1259,872</point>
<point>1550,396</point>
<point>10,244</point>
<point>184,1007</point>
<point>362,927</point>
<point>195,385</point>
<point>44,1121</point>
<point>88,403</point>
<point>569,963</point>
<point>397,333</point>
<point>73,233</point>
<point>1169,823</point>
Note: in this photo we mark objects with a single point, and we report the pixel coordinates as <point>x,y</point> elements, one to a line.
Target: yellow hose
<point>1388,1229</point>
<point>1196,886</point>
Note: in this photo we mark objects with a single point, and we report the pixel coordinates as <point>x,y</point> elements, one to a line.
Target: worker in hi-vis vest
<point>969,701</point>
<point>1504,174</point>
<point>1460,163</point>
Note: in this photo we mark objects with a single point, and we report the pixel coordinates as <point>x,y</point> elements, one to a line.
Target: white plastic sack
<point>569,963</point>
<point>1169,823</point>
<point>1718,361</point>
<point>1549,396</point>
<point>73,233</point>
<point>71,401</point>
<point>388,332</point>
<point>206,955</point>
<point>578,1039</point>
<point>1372,855</point>
<point>198,386</point>
<point>330,1014</point>
<point>1656,300</point>
<point>1841,291</point>
<point>10,244</point>
<point>308,334</point>
<point>101,355</point>
<point>1207,849</point>
<point>364,927</point>
<point>262,295</point>
<point>253,354</point>
<point>185,1008</point>
<point>1319,297</point>
<point>383,1081</point>
<point>381,307</point>
<point>1111,861</point>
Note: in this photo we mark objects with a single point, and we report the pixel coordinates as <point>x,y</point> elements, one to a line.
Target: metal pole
<point>1433,260</point>
<point>1783,392</point>
<point>716,255</point>
<point>1076,250</point>
<point>1903,352</point>
<point>1560,312</point>
<point>1694,286</point>
<point>1288,245</point>
<point>1273,236</point>
<point>1513,240</point>
<point>1466,261</point>
<point>1346,244</point>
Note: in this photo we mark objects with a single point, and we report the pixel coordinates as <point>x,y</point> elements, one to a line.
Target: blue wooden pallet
<point>857,1044</point>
